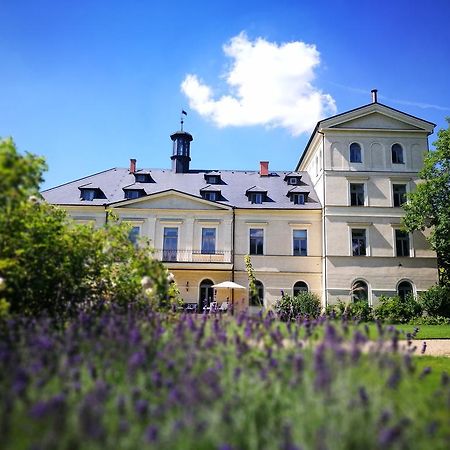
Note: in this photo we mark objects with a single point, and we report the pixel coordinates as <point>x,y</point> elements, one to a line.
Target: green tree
<point>429,206</point>
<point>49,264</point>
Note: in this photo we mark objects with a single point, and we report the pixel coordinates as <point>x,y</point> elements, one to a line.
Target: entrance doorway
<point>206,294</point>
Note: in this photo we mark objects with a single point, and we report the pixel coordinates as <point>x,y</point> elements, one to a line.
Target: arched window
<point>360,291</point>
<point>300,287</point>
<point>205,294</point>
<point>258,299</point>
<point>404,289</point>
<point>397,154</point>
<point>355,153</point>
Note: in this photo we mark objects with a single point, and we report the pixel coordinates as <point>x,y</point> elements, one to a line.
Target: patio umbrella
<point>229,285</point>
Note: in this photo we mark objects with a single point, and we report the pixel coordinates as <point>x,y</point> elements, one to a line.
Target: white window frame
<point>369,290</point>
<point>358,226</point>
<point>307,242</point>
<point>170,225</point>
<point>256,226</point>
<point>399,180</point>
<point>215,227</point>
<point>394,243</point>
<point>349,193</point>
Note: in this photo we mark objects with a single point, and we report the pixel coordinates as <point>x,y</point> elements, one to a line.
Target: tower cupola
<point>181,153</point>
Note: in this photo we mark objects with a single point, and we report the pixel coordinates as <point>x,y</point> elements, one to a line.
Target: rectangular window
<point>356,194</point>
<point>170,244</point>
<point>256,241</point>
<point>208,240</point>
<point>292,180</point>
<point>401,243</point>
<point>399,194</point>
<point>300,242</point>
<point>359,243</point>
<point>212,196</point>
<point>87,194</point>
<point>132,194</point>
<point>133,235</point>
<point>257,198</point>
<point>298,199</point>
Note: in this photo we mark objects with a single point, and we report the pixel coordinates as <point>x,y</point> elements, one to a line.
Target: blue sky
<point>90,84</point>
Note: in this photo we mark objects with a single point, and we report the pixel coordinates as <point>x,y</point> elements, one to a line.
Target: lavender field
<point>140,379</point>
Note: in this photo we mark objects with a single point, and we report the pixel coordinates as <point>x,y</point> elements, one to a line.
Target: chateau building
<point>332,226</point>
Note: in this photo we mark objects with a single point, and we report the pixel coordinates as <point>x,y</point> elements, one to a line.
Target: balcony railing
<point>194,256</point>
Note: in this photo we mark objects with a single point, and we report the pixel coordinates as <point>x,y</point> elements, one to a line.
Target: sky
<point>91,84</point>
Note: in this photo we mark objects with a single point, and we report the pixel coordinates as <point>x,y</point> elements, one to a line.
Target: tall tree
<point>429,206</point>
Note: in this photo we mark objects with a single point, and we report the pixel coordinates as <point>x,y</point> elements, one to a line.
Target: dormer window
<point>131,194</point>
<point>293,178</point>
<point>211,195</point>
<point>298,195</point>
<point>212,178</point>
<point>298,199</point>
<point>256,198</point>
<point>89,193</point>
<point>143,178</point>
<point>256,195</point>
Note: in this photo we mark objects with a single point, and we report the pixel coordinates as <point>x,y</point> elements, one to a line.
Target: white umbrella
<point>229,285</point>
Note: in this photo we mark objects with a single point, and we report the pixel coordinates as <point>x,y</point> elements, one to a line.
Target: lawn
<point>140,379</point>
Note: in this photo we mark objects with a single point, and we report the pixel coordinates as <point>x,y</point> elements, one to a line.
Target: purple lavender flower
<point>426,371</point>
<point>141,408</point>
<point>151,434</point>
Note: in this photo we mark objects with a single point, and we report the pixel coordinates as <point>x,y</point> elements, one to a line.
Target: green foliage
<point>397,310</point>
<point>360,310</point>
<point>252,290</point>
<point>431,320</point>
<point>49,264</point>
<point>304,304</point>
<point>436,301</point>
<point>429,205</point>
<point>20,175</point>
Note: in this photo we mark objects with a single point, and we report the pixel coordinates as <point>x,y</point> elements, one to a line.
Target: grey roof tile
<point>235,185</point>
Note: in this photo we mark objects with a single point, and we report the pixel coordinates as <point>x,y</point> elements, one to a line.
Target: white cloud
<point>269,84</point>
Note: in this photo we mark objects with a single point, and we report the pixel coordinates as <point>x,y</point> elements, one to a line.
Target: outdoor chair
<point>211,308</point>
<point>223,307</point>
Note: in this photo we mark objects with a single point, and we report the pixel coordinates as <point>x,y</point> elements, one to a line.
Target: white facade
<point>376,175</point>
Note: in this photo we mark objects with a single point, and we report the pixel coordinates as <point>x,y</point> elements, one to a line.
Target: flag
<point>183,112</point>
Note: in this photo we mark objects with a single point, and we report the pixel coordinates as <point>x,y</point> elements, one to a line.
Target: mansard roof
<point>234,187</point>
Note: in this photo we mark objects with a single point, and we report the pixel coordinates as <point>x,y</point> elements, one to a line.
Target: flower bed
<point>135,379</point>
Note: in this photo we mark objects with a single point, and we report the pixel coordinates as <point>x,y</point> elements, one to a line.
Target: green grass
<point>427,331</point>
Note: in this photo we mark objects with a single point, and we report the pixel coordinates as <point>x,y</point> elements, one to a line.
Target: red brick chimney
<point>132,165</point>
<point>264,168</point>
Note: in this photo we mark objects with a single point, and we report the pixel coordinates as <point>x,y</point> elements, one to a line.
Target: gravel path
<point>435,347</point>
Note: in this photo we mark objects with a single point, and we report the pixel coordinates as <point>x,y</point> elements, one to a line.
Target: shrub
<point>304,304</point>
<point>436,301</point>
<point>360,310</point>
<point>430,320</point>
<point>397,310</point>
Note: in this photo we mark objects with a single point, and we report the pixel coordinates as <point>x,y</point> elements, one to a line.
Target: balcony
<point>192,256</point>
